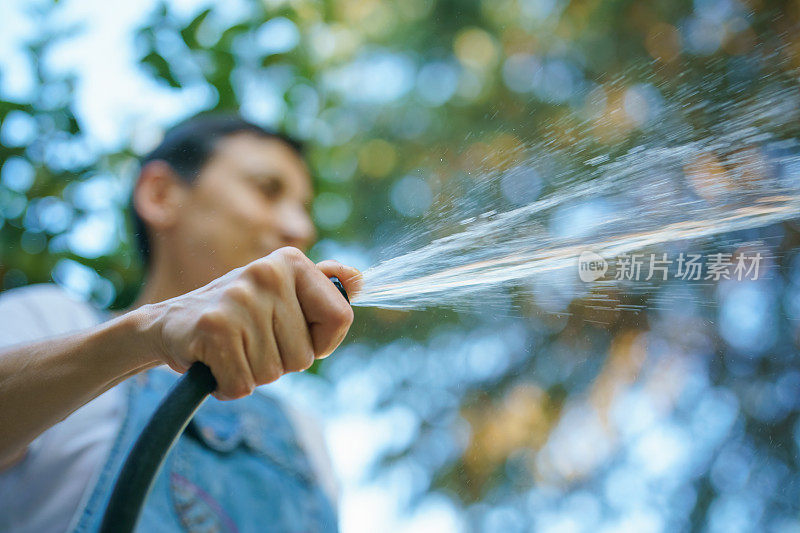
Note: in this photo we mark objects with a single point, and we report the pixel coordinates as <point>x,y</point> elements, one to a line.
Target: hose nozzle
<point>339,286</point>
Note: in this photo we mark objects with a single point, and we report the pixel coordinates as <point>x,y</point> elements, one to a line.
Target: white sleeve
<point>38,311</point>
<point>43,491</point>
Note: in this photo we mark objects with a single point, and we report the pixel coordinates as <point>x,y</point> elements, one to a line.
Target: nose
<point>296,227</point>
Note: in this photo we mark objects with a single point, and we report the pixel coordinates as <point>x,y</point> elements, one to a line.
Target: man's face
<point>251,198</point>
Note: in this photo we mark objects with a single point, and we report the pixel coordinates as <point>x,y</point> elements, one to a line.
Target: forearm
<point>44,382</point>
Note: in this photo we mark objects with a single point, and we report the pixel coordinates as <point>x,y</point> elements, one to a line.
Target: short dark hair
<point>188,146</point>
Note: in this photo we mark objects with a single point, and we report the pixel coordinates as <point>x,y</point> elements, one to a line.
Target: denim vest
<point>238,467</point>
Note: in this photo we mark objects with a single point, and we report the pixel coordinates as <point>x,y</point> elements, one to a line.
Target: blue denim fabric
<point>238,467</point>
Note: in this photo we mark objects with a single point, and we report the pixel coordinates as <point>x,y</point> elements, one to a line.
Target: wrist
<point>144,328</point>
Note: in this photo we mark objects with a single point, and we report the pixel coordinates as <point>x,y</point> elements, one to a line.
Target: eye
<point>272,187</point>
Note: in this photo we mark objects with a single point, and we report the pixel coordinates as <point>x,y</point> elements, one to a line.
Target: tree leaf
<point>189,33</point>
<point>160,68</point>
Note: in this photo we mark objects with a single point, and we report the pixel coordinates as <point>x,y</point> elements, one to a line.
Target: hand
<point>257,322</point>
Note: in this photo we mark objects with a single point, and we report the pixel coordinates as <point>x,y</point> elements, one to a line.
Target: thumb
<point>349,276</point>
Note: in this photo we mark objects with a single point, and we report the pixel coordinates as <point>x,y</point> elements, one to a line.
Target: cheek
<point>253,214</point>
<point>246,227</point>
<point>218,223</point>
<point>232,206</point>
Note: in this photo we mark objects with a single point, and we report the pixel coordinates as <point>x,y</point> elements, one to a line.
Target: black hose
<point>156,440</point>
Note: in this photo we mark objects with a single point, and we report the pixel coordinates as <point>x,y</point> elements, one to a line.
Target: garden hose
<point>156,440</point>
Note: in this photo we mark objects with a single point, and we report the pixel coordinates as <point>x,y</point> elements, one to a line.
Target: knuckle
<point>263,273</point>
<point>293,257</point>
<point>290,253</point>
<point>309,360</point>
<point>239,293</point>
<point>342,316</point>
<point>212,322</point>
<point>272,373</point>
<point>300,361</point>
<point>240,388</point>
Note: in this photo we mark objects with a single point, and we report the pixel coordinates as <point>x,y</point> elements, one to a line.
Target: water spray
<point>731,166</point>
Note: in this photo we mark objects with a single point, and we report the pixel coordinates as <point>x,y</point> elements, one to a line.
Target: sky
<point>112,96</point>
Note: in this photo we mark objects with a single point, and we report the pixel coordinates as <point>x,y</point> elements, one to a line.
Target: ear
<point>158,195</point>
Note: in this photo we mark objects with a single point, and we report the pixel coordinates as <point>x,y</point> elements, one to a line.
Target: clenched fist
<point>257,322</point>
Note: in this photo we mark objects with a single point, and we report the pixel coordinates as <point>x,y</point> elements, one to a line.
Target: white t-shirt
<point>43,491</point>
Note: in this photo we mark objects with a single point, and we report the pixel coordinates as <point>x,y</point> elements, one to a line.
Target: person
<point>221,216</point>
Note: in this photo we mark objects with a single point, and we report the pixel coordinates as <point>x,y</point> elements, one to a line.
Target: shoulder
<point>40,310</point>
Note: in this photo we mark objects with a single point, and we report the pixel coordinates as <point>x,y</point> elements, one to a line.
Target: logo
<point>591,266</point>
